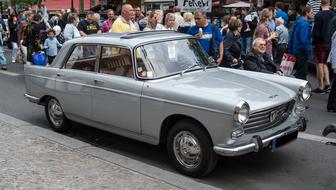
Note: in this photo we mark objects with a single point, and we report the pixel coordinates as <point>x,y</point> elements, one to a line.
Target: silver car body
<point>144,109</point>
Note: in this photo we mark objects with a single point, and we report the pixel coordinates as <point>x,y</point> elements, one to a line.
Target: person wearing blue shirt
<point>203,31</point>
<point>51,45</point>
<point>279,6</point>
<point>271,22</point>
<point>300,42</point>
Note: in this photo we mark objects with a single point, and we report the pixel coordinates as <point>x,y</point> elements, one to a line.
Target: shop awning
<point>237,5</point>
<point>53,5</point>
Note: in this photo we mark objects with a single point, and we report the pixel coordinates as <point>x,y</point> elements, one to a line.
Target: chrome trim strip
<point>87,85</point>
<point>240,150</point>
<point>39,76</point>
<point>33,99</point>
<point>117,91</point>
<point>184,104</point>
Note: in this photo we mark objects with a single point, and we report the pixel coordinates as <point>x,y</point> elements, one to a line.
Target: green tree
<point>23,2</point>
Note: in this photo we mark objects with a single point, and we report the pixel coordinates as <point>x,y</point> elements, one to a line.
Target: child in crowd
<point>51,45</point>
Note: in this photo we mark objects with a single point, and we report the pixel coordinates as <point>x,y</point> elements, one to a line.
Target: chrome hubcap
<point>187,149</point>
<point>55,112</point>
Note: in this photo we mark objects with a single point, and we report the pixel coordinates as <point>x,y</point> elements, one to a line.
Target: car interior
<point>113,61</point>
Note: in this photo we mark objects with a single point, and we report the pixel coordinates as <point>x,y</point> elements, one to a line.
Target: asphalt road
<point>303,164</point>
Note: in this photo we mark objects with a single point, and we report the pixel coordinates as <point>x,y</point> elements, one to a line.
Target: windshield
<point>170,57</point>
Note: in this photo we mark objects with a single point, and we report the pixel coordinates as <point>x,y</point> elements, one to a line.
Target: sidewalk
<point>35,158</point>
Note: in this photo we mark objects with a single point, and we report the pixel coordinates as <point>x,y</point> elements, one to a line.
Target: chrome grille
<point>269,118</point>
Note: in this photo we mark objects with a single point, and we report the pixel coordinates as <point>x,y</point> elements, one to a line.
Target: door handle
<point>98,81</point>
<point>58,74</point>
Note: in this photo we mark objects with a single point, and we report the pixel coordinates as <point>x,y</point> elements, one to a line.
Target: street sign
<point>193,5</point>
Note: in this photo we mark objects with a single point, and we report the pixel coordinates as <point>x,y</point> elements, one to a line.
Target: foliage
<point>24,2</point>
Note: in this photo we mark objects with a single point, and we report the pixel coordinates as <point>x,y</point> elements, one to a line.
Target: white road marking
<point>9,73</point>
<point>316,138</point>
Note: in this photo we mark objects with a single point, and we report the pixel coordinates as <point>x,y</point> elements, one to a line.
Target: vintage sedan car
<point>161,87</point>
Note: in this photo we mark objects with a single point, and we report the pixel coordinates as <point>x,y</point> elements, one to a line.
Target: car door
<point>75,80</point>
<point>116,96</point>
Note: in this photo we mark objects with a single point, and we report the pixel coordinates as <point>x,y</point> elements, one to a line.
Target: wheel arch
<point>171,120</point>
<point>44,99</point>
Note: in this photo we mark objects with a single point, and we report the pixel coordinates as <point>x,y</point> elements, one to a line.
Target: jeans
<point>332,95</point>
<point>246,43</point>
<point>14,51</point>
<point>301,65</point>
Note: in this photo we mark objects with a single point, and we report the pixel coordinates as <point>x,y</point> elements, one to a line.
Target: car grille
<point>269,118</point>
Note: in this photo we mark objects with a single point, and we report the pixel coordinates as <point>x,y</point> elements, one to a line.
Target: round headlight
<point>242,112</point>
<point>305,91</point>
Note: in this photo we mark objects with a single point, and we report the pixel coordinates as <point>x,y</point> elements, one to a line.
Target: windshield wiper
<point>187,69</point>
<point>212,63</point>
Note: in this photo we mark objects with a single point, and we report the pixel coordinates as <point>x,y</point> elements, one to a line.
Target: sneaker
<point>327,88</point>
<point>318,91</point>
<point>13,61</point>
<point>331,109</point>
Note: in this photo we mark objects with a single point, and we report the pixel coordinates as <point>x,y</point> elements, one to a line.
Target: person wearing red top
<point>107,24</point>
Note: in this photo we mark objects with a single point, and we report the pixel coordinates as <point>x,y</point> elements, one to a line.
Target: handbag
<point>39,58</point>
<point>19,57</point>
<point>287,64</point>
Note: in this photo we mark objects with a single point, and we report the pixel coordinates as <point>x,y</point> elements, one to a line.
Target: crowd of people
<point>251,39</point>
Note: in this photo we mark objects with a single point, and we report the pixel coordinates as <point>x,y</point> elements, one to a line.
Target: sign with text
<point>193,5</point>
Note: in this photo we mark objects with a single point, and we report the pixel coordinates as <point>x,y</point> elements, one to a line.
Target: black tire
<point>55,116</point>
<point>193,133</point>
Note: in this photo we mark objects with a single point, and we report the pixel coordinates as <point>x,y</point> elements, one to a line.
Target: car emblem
<point>273,115</point>
<point>273,96</point>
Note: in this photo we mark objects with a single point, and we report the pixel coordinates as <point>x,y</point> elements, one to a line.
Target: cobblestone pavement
<point>29,161</point>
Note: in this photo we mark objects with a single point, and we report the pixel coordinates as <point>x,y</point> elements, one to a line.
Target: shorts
<point>321,52</point>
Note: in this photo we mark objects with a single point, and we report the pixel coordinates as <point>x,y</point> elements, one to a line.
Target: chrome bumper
<point>33,99</point>
<point>256,144</point>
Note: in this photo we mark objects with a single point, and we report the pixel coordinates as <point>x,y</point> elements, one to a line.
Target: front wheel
<point>190,149</point>
<point>55,116</point>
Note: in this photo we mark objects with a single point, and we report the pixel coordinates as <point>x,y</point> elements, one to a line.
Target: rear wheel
<point>55,116</point>
<point>190,149</point>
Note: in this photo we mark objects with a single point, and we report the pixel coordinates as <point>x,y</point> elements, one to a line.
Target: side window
<point>83,57</point>
<point>116,61</point>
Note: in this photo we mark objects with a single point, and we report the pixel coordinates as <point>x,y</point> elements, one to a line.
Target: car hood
<point>229,88</point>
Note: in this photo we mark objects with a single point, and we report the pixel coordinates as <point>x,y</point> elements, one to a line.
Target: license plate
<point>276,143</point>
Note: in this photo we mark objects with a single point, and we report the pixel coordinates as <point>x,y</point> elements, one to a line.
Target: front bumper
<point>257,143</point>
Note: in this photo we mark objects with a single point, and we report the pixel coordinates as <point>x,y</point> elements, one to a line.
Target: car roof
<point>129,39</point>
